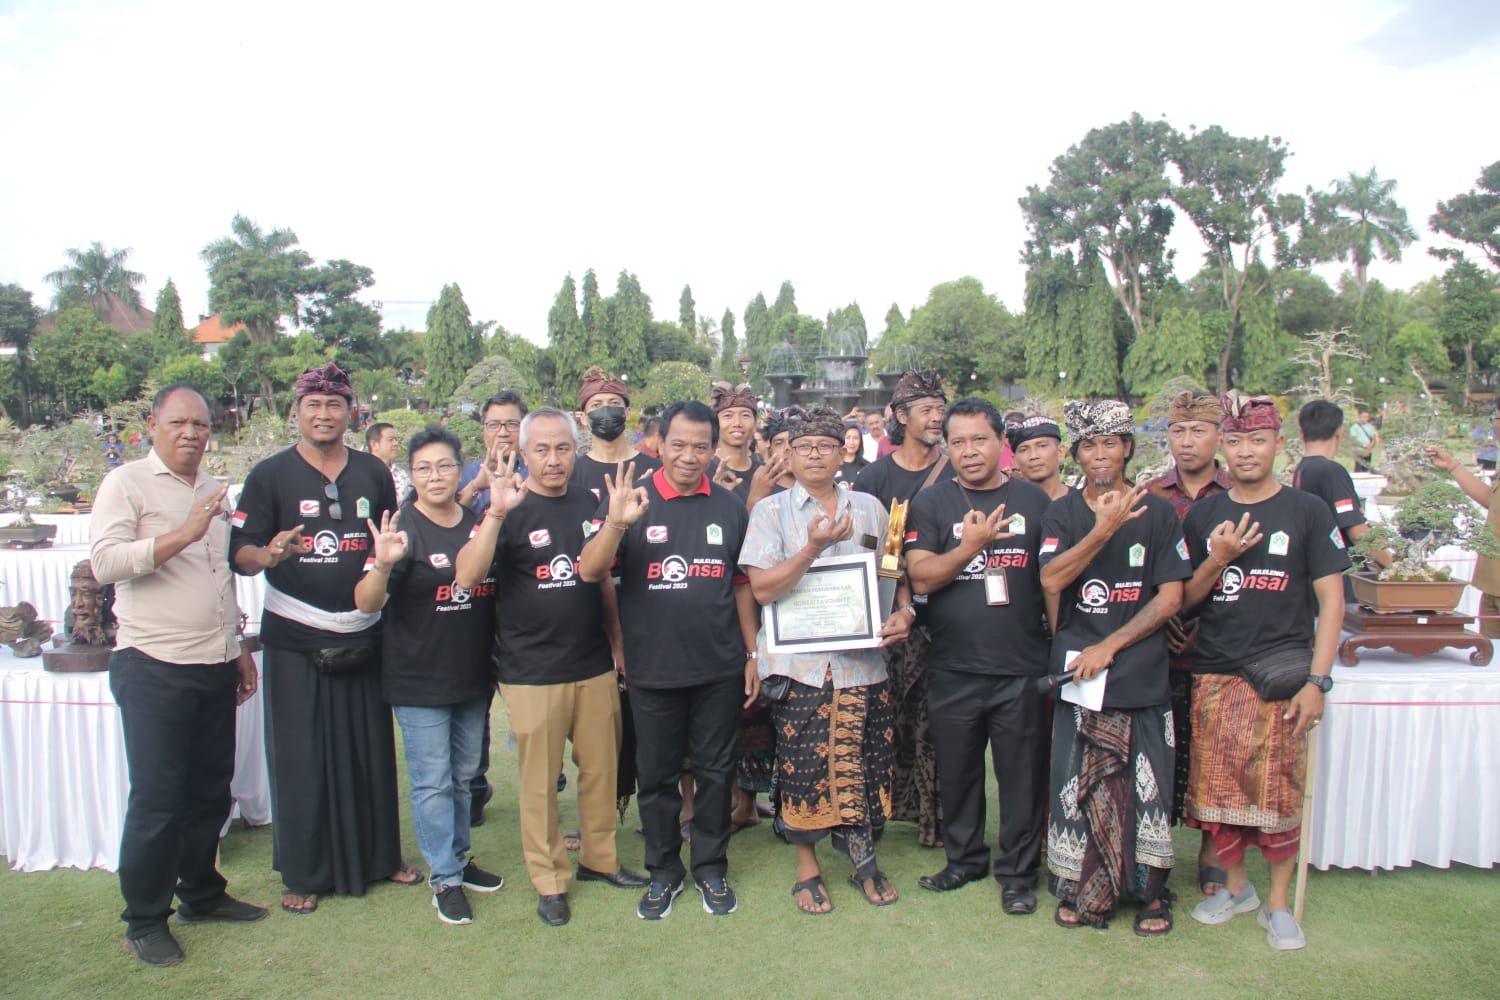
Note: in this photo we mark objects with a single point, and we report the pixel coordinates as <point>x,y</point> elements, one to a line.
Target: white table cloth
<point>41,577</point>
<point>72,529</point>
<point>63,777</point>
<point>1406,764</point>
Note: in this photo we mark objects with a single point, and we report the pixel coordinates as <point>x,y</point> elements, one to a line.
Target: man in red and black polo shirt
<point>689,626</point>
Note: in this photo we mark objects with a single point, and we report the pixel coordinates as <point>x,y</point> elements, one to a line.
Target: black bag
<point>1280,675</point>
<point>341,659</point>
<point>776,689</point>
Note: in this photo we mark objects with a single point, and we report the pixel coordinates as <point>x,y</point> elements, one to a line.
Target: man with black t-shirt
<point>917,429</point>
<point>1036,447</point>
<point>1114,558</point>
<point>689,626</point>
<point>556,660</point>
<point>1321,423</point>
<point>330,747</point>
<point>736,463</point>
<point>975,554</point>
<point>603,400</point>
<point>1265,555</point>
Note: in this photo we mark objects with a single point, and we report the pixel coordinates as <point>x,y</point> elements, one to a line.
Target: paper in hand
<point>1090,693</point>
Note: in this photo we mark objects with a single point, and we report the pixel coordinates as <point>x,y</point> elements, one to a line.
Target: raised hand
<point>1114,509</point>
<point>825,531</point>
<point>726,477</point>
<point>507,488</point>
<point>627,503</point>
<point>285,544</point>
<point>390,544</point>
<point>980,530</point>
<point>1440,457</point>
<point>203,512</point>
<point>1229,541</point>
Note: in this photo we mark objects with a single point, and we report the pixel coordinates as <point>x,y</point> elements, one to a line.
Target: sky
<point>863,151</point>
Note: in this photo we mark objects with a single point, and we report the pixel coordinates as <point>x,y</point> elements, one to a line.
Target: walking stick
<point>1305,849</point>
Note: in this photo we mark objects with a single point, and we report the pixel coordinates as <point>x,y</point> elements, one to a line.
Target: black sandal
<point>881,884</point>
<point>1211,874</point>
<point>1161,911</point>
<point>1057,918</point>
<point>818,890</point>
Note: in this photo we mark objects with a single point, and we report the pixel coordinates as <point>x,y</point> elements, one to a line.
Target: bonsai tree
<point>1435,514</point>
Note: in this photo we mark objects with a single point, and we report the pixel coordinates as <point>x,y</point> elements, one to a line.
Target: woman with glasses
<point>435,661</point>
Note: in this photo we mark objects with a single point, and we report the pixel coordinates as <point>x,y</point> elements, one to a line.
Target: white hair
<point>547,411</point>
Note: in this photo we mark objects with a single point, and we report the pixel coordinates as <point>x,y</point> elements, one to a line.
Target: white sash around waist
<point>345,622</point>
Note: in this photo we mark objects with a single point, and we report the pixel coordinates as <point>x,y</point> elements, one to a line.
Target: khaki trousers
<point>543,717</point>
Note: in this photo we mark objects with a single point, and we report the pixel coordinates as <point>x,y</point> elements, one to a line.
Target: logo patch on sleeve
<point>307,508</point>
<point>1049,545</point>
<point>440,560</point>
<point>1337,537</point>
<point>656,532</point>
<point>595,490</point>
<point>1345,506</point>
<point>474,531</point>
<point>540,538</point>
<point>589,527</point>
<point>958,529</point>
<point>1182,548</point>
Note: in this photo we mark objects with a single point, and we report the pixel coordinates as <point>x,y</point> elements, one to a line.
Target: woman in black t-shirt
<point>852,457</point>
<point>435,661</point>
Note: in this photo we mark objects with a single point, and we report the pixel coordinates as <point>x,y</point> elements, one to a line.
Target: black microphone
<point>1050,683</point>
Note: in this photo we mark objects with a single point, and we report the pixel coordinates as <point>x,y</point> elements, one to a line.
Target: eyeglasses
<point>335,509</point>
<point>822,448</point>
<point>495,425</point>
<point>442,470</point>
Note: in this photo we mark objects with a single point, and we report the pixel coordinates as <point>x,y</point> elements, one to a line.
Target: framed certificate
<point>834,606</point>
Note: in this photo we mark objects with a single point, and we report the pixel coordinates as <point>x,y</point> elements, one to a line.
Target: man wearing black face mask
<point>603,399</point>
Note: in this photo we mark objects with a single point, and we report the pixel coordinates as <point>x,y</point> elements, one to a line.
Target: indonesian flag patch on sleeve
<point>1049,545</point>
<point>237,519</point>
<point>369,564</point>
<point>1345,506</point>
<point>911,536</point>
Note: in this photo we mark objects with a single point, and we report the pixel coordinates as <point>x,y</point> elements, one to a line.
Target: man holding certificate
<point>1113,557</point>
<point>810,555</point>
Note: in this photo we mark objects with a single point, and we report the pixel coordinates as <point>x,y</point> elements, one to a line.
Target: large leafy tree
<point>68,355</point>
<point>1472,217</point>
<point>850,321</point>
<point>1173,348</point>
<point>1357,219</point>
<point>338,318</point>
<point>97,277</point>
<point>453,347</point>
<point>18,323</point>
<point>566,334</point>
<point>256,278</point>
<point>629,312</point>
<point>1229,191</point>
<point>786,302</point>
<point>1110,195</point>
<point>960,327</point>
<point>1471,306</point>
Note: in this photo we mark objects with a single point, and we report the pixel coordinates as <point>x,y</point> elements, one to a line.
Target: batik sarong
<point>914,792</point>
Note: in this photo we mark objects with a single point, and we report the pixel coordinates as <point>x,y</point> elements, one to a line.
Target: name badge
<point>1138,554</point>
<point>996,593</point>
<point>1278,544</point>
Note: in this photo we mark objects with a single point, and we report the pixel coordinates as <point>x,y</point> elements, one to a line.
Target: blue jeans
<point>442,756</point>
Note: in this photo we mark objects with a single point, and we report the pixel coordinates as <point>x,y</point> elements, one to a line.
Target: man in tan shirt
<point>177,673</point>
<point>1486,571</point>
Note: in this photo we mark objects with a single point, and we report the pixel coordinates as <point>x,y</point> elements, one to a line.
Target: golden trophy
<point>891,564</point>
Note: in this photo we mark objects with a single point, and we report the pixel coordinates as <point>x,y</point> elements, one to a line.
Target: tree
<point>68,355</point>
<point>670,342</point>
<point>1358,218</point>
<point>1470,307</point>
<point>379,388</point>
<point>1109,195</point>
<point>850,320</point>
<point>97,277</point>
<point>256,278</point>
<point>629,312</point>
<point>167,323</point>
<point>670,382</point>
<point>1472,217</point>
<point>1173,348</point>
<point>1229,191</point>
<point>488,377</point>
<point>687,310</point>
<point>452,347</point>
<point>729,347</point>
<point>958,325</point>
<point>337,317</point>
<point>18,323</point>
<point>566,335</point>
<point>110,385</point>
<point>786,302</point>
<point>594,316</point>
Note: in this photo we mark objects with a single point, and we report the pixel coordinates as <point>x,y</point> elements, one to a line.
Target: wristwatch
<point>1321,682</point>
<point>751,654</point>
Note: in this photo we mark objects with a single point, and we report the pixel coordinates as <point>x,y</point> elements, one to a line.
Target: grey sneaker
<point>718,899</point>
<point>656,904</point>
<point>1223,906</point>
<point>452,905</point>
<point>1282,932</point>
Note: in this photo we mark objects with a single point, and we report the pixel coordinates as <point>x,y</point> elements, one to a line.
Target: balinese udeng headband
<point>595,381</point>
<point>1091,418</point>
<point>820,421</point>
<point>330,380</point>
<point>723,396</point>
<point>1243,413</point>
<point>1031,428</point>
<point>914,385</point>
<point>1192,405</point>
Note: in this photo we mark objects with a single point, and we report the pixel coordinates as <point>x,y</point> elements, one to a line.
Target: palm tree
<point>1360,217</point>
<point>97,276</point>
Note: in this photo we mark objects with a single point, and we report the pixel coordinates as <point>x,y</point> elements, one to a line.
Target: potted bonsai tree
<point>1435,514</point>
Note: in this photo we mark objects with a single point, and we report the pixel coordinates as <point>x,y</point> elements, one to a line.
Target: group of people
<point>1129,653</point>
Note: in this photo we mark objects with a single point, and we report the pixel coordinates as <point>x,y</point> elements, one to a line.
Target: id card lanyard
<point>996,592</point>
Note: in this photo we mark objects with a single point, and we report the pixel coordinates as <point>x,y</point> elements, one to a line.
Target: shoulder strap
<point>937,470</point>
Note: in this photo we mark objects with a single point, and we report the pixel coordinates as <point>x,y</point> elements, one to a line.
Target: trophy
<point>891,566</point>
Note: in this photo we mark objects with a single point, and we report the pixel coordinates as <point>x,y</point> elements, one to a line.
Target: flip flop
<point>1161,911</point>
<point>818,890</point>
<point>1073,925</point>
<point>573,841</point>
<point>1211,874</point>
<point>413,876</point>
<point>879,882</point>
<point>308,902</point>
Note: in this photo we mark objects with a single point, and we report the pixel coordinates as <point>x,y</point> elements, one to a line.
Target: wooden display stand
<point>74,657</point>
<point>1412,633</point>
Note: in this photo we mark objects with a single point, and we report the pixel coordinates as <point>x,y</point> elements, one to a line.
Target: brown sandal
<point>297,902</point>
<point>406,875</point>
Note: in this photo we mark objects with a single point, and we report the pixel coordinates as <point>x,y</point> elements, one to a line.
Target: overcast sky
<point>865,151</point>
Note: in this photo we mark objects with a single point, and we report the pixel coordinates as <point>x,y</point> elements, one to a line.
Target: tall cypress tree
<point>629,312</point>
<point>786,303</point>
<point>730,347</point>
<point>452,345</point>
<point>566,336</point>
<point>687,310</point>
<point>594,318</point>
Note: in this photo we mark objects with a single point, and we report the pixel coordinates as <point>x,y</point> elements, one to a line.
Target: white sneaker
<point>1282,932</point>
<point>1223,906</point>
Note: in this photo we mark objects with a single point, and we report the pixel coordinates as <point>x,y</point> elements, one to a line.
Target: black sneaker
<point>158,948</point>
<point>227,908</point>
<point>656,904</point>
<point>718,899</point>
<point>452,905</point>
<point>479,880</point>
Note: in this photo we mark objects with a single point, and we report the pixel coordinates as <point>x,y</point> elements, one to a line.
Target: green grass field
<point>1419,932</point>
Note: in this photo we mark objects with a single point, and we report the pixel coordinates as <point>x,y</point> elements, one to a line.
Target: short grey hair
<point>547,411</point>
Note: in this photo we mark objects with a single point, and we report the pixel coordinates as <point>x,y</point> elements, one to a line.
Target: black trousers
<point>179,747</point>
<point>699,723</point>
<point>967,711</point>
